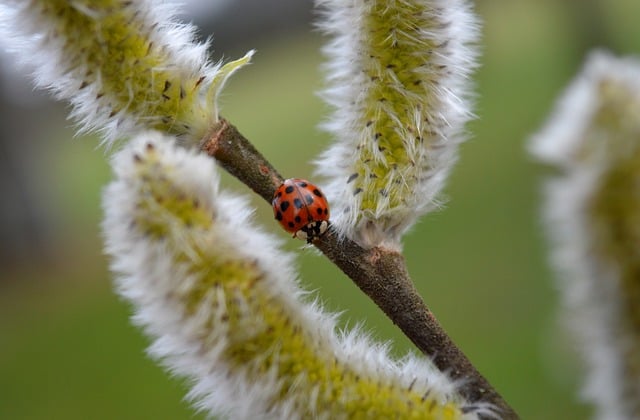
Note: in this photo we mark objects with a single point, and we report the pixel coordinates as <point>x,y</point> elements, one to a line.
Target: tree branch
<point>380,273</point>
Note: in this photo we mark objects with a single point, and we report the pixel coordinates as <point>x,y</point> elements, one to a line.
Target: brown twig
<point>378,272</point>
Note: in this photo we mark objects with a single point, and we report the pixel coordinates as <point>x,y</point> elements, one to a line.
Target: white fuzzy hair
<point>446,54</point>
<point>584,151</point>
<point>61,66</point>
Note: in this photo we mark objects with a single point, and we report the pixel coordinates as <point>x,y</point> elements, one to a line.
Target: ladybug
<point>301,209</point>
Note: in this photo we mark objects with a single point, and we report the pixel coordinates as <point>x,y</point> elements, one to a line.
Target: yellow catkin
<point>259,328</point>
<point>115,47</point>
<point>387,164</point>
<point>123,61</point>
<point>398,82</point>
<point>614,211</point>
<point>593,213</point>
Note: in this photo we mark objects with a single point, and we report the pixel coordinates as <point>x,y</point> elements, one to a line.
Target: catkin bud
<point>123,65</point>
<point>592,212</point>
<point>397,78</point>
<point>222,304</point>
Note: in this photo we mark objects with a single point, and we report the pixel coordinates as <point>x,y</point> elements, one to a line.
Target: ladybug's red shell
<point>301,209</point>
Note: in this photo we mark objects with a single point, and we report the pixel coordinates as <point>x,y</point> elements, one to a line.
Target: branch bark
<point>380,273</point>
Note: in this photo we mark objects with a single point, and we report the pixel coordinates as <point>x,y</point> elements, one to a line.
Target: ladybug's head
<point>312,230</point>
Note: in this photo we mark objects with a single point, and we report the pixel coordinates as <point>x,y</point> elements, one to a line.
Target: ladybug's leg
<point>303,234</point>
<point>320,227</point>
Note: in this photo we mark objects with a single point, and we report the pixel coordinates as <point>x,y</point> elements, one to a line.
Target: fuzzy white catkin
<point>398,82</point>
<point>124,66</point>
<point>592,212</point>
<point>221,302</point>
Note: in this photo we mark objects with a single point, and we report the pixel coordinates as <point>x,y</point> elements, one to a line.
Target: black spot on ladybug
<point>297,219</point>
<point>326,210</point>
<point>309,199</point>
<point>289,189</point>
<point>279,194</point>
<point>291,225</point>
<point>302,184</point>
<point>320,211</point>
<point>284,206</point>
<point>317,192</point>
<point>297,203</point>
<point>278,216</point>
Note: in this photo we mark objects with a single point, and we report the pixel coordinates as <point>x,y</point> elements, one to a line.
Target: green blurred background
<point>68,351</point>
